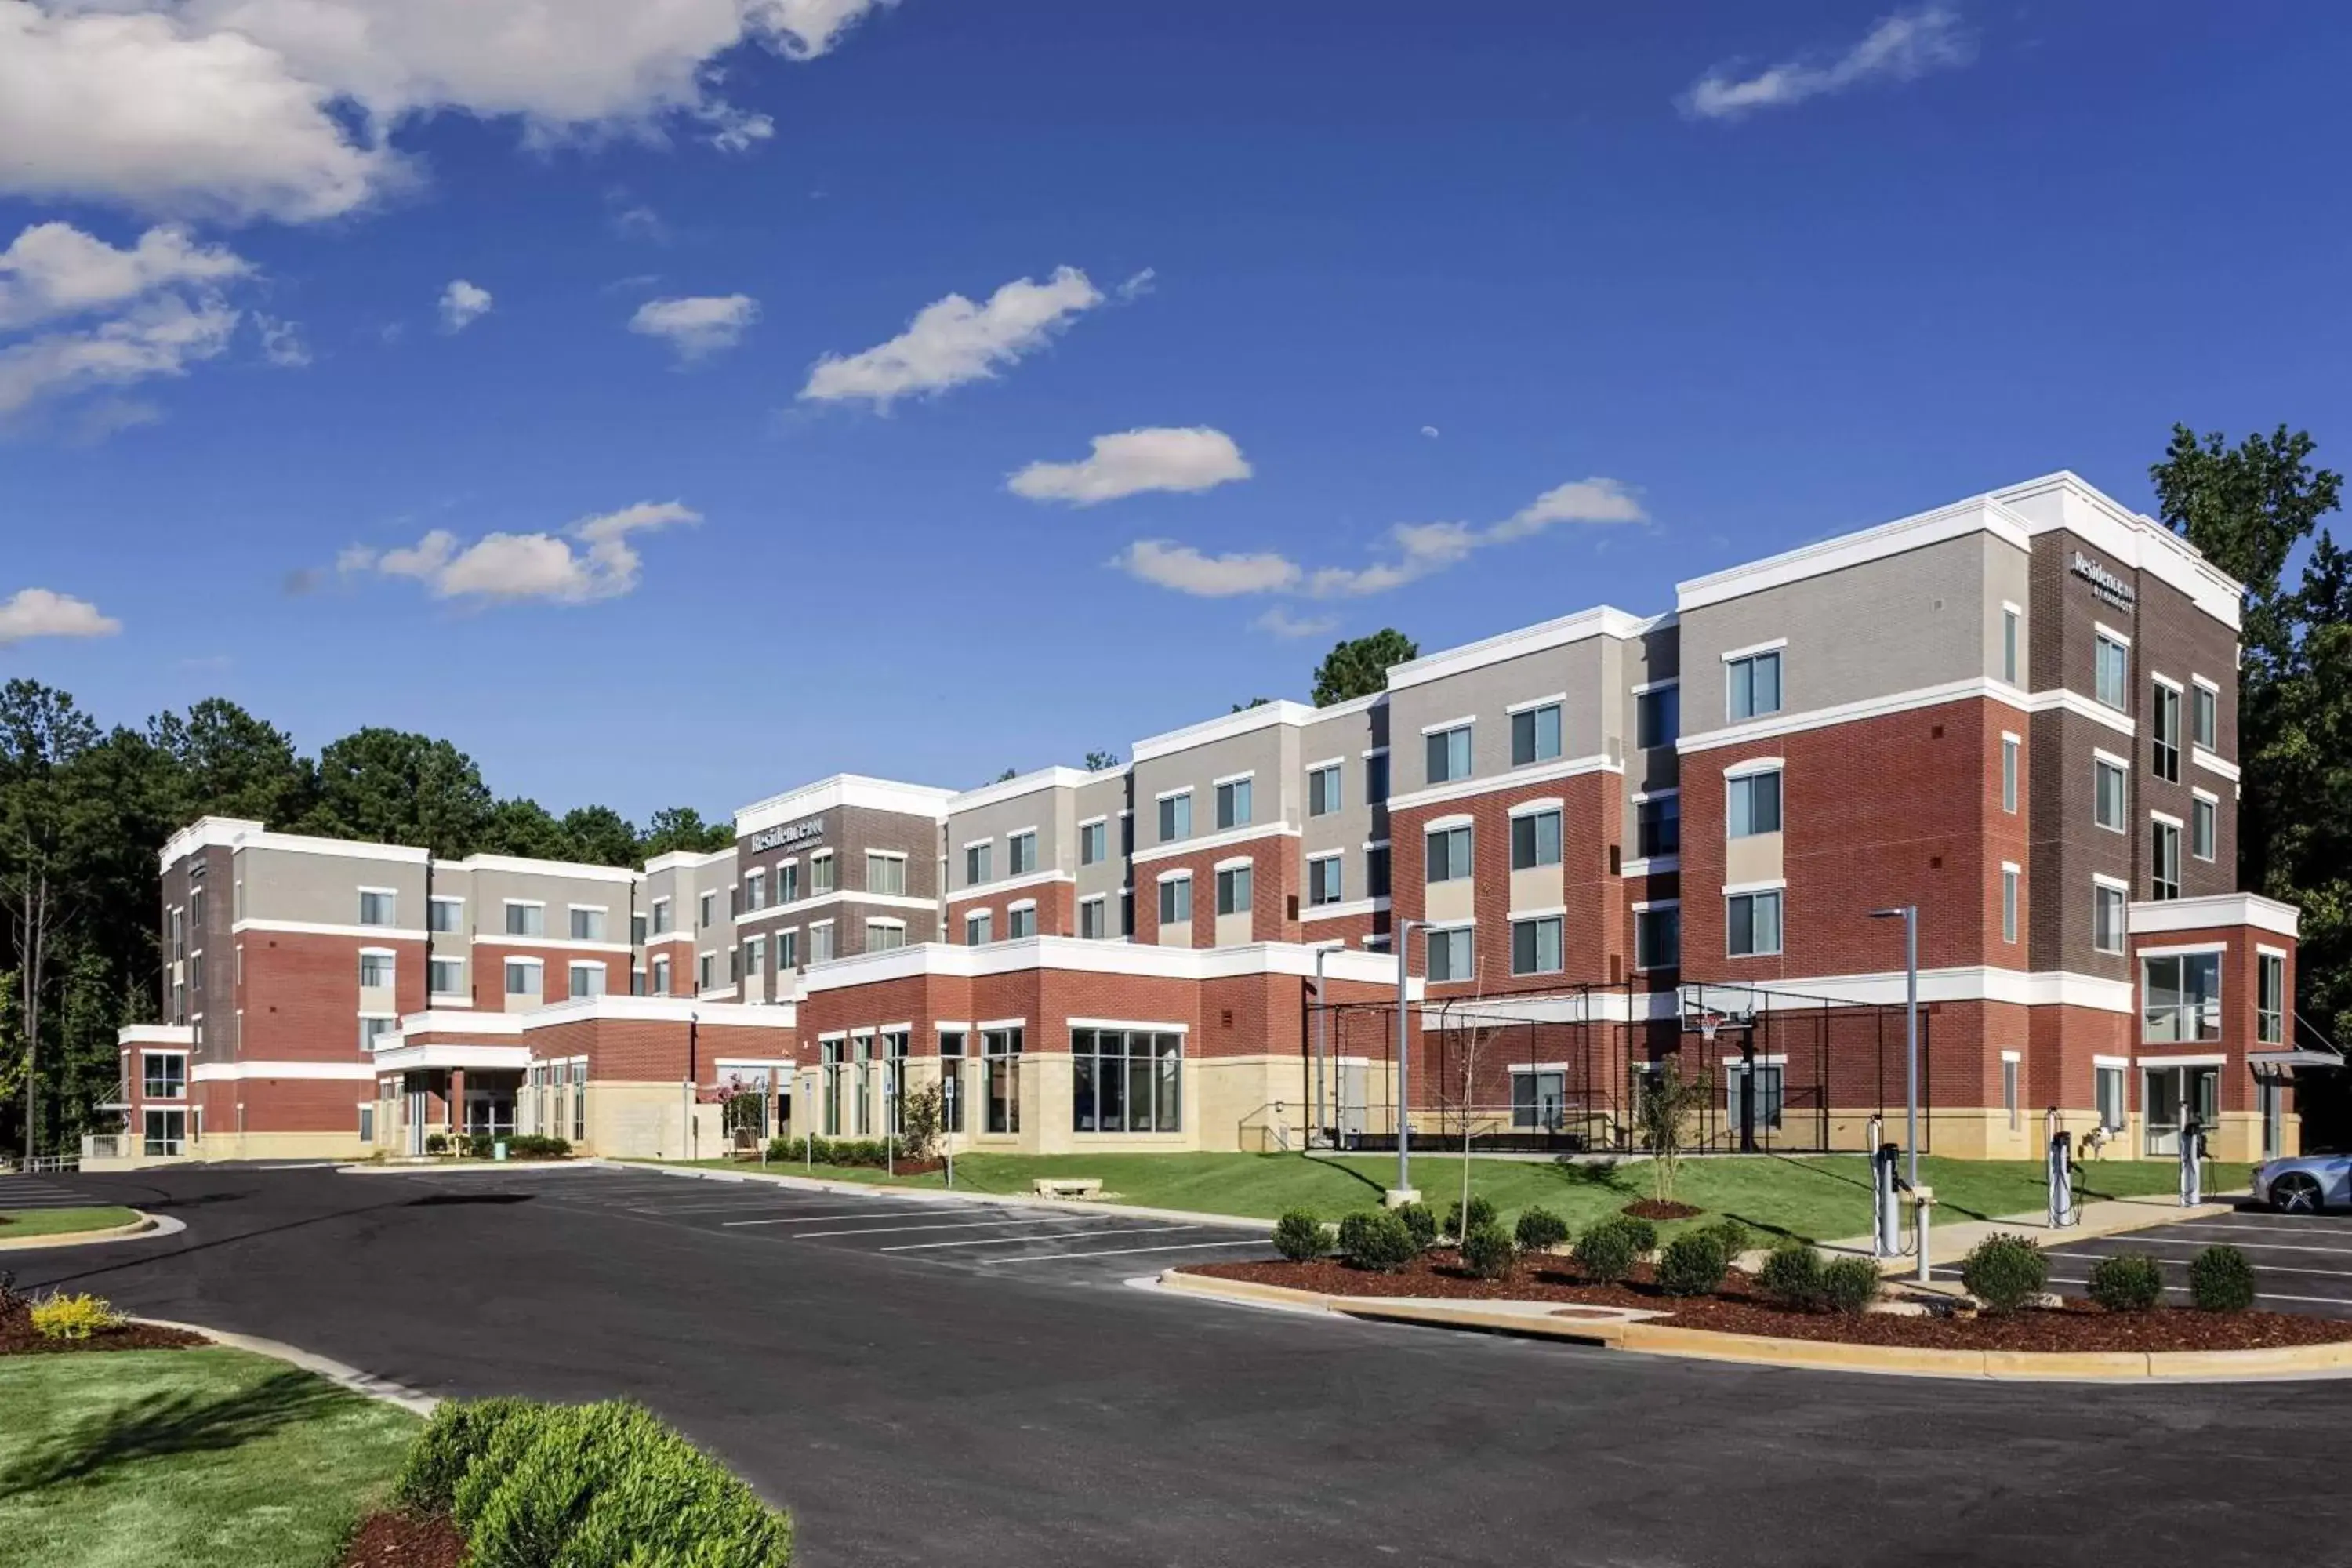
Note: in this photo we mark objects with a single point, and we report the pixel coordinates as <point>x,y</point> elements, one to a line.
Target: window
<point>661,977</point>
<point>1093,842</point>
<point>1376,778</point>
<point>2009,886</point>
<point>1021,920</point>
<point>829,1055</point>
<point>861,1051</point>
<point>2163,865</point>
<point>1449,853</point>
<point>636,931</point>
<point>522,977</point>
<point>2270,998</point>
<point>705,971</point>
<point>755,889</point>
<point>885,874</point>
<point>446,914</point>
<point>1535,735</point>
<point>377,908</point>
<point>1450,954</point>
<point>1449,754</point>
<point>1752,804</point>
<point>978,928</point>
<point>2111,671</point>
<point>2008,751</point>
<point>1175,817</point>
<point>734,965</point>
<point>1535,946</point>
<point>2107,793</point>
<point>788,882</point>
<point>2205,717</point>
<point>1535,840</point>
<point>526,919</point>
<point>1658,825</point>
<point>821,942</point>
<point>1020,853</point>
<point>1234,803</point>
<point>1127,1081</point>
<point>1658,937</point>
<point>376,970</point>
<point>1125,912</point>
<point>1376,871</point>
<point>447,977</point>
<point>894,1080</point>
<point>2008,1066</point>
<point>2108,1092</point>
<point>952,1087</point>
<point>165,1131</point>
<point>1324,879</point>
<point>588,979</point>
<point>1323,790</point>
<point>2011,623</point>
<point>788,951</point>
<point>1091,912</point>
<point>1658,716</point>
<point>881,936</point>
<point>1233,889</point>
<point>1537,1097</point>
<point>1176,901</point>
<point>1752,924</point>
<point>1770,1091</point>
<point>2164,732</point>
<point>2106,917</point>
<point>163,1076</point>
<point>2202,814</point>
<point>755,957</point>
<point>979,864</point>
<point>2180,998</point>
<point>1000,1056</point>
<point>661,916</point>
<point>1754,685</point>
<point>709,909</point>
<point>821,874</point>
<point>587,925</point>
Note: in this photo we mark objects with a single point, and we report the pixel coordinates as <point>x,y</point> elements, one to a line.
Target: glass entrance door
<point>2167,1090</point>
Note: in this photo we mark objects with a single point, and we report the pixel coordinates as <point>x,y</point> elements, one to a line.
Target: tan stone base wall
<point>281,1146</point>
<point>649,1122</point>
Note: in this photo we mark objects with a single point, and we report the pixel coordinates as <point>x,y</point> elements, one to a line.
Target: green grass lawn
<point>202,1458</point>
<point>1824,1198</point>
<point>18,1223</point>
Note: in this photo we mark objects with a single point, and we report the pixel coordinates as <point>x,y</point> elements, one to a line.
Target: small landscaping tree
<point>1463,1218</point>
<point>1377,1240</point>
<point>2222,1280</point>
<point>1539,1229</point>
<point>2004,1272</point>
<point>2127,1282</point>
<point>1605,1253</point>
<point>1692,1264</point>
<point>1301,1236</point>
<point>1733,1237</point>
<point>1850,1285</point>
<point>1792,1274</point>
<point>743,1115</point>
<point>1422,1221</point>
<point>1662,1115</point>
<point>922,1114</point>
<point>1486,1252</point>
<point>1644,1234</point>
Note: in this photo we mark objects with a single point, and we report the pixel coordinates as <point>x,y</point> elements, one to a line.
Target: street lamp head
<point>1894,914</point>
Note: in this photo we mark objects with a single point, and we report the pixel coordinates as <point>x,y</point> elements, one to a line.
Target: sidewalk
<point>1950,1241</point>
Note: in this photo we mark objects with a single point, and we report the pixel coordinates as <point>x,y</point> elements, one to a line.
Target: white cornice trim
<point>1978,514</point>
<point>1974,982</point>
<point>1009,884</point>
<point>176,1035</point>
<point>235,833</point>
<point>1852,713</point>
<point>444,1054</point>
<point>1085,955</point>
<point>1206,842</point>
<point>838,896</point>
<point>1225,726</point>
<point>843,790</point>
<point>1038,783</point>
<point>552,943</point>
<point>2214,911</point>
<point>1344,909</point>
<point>2066,501</point>
<point>233,1072</point>
<point>688,860</point>
<point>1601,620</point>
<point>1492,784</point>
<point>2213,764</point>
<point>317,927</point>
<point>518,866</point>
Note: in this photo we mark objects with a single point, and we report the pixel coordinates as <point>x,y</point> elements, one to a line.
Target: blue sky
<point>1404,265</point>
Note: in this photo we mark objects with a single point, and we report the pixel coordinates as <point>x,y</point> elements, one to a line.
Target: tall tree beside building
<point>42,828</point>
<point>681,827</point>
<point>394,787</point>
<point>1360,665</point>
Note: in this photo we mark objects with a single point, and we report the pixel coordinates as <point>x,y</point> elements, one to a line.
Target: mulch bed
<point>17,1337</point>
<point>1742,1309</point>
<point>1659,1208</point>
<point>395,1539</point>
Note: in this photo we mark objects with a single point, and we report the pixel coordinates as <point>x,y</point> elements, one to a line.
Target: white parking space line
<point>860,1213</point>
<point>2180,1263</point>
<point>2287,1228</point>
<point>947,1224</point>
<point>713,1208</point>
<point>2243,1246</point>
<point>1015,1240</point>
<point>1118,1252</point>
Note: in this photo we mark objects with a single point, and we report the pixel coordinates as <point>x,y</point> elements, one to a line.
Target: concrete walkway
<point>1948,1241</point>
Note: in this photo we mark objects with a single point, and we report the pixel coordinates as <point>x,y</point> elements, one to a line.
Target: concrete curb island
<point>2329,1361</point>
<point>145,1224</point>
<point>415,1401</point>
<point>955,1194</point>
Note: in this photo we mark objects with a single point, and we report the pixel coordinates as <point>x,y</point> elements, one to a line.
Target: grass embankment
<point>1823,1198</point>
<point>190,1457</point>
<point>16,1224</point>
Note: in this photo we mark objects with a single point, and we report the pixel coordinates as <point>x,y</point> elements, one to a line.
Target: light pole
<point>1322,1041</point>
<point>1404,930</point>
<point>1909,914</point>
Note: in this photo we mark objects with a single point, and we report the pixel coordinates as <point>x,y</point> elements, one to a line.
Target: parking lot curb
<point>145,1224</point>
<point>2327,1360</point>
<point>952,1194</point>
<point>415,1401</point>
<point>476,1167</point>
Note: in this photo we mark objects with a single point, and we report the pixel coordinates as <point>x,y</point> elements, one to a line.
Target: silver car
<point>2305,1185</point>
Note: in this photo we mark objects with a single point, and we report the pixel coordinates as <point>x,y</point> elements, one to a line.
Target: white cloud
<point>463,304</point>
<point>953,341</point>
<point>1187,570</point>
<point>281,341</point>
<point>1281,623</point>
<point>1138,285</point>
<point>230,108</point>
<point>39,612</point>
<point>699,325</point>
<point>55,269</point>
<point>504,568</point>
<point>1157,458</point>
<point>158,337</point>
<point>1898,47</point>
<point>1579,500</point>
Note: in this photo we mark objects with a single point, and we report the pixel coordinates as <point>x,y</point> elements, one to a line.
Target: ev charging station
<point>2061,1166</point>
<point>2192,1161</point>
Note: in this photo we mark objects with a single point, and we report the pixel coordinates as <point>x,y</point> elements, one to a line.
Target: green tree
<point>598,836</point>
<point>43,828</point>
<point>1097,760</point>
<point>681,827</point>
<point>230,764</point>
<point>1359,667</point>
<point>394,787</point>
<point>525,828</point>
<point>1253,702</point>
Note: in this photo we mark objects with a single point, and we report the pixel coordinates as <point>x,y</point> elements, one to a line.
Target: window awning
<point>2292,1064</point>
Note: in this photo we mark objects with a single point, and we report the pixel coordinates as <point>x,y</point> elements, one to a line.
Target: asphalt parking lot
<point>928,1407</point>
<point>2303,1263</point>
<point>21,1192</point>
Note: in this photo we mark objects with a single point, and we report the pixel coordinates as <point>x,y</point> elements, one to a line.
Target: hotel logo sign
<point>791,833</point>
<point>2103,582</point>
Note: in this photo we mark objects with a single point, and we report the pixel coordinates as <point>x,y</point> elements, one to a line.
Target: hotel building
<point>2016,714</point>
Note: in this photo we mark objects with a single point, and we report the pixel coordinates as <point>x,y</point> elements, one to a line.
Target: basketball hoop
<point>1708,1023</point>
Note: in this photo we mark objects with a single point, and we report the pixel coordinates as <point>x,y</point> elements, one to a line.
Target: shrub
<point>479,1145</point>
<point>2222,1280</point>
<point>1791,1275</point>
<point>511,1434</point>
<point>1422,1220</point>
<point>436,1143</point>
<point>2004,1271</point>
<point>458,1434</point>
<point>1482,1212</point>
<point>1378,1240</point>
<point>73,1316</point>
<point>1692,1264</point>
<point>1606,1253</point>
<point>1487,1251</point>
<point>2127,1282</point>
<point>1849,1285</point>
<point>12,1300</point>
<point>1301,1236</point>
<point>1539,1231</point>
<point>1733,1237</point>
<point>1644,1234</point>
<point>537,1146</point>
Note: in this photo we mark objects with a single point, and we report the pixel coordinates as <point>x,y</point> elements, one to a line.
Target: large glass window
<point>661,916</point>
<point>1127,1081</point>
<point>2107,794</point>
<point>999,1051</point>
<point>1450,954</point>
<point>952,1087</point>
<point>1658,716</point>
<point>1176,901</point>
<point>1234,803</point>
<point>821,880</point>
<point>2108,1089</point>
<point>755,889</point>
<point>830,1053</point>
<point>1752,804</point>
<point>1535,946</point>
<point>821,942</point>
<point>1324,881</point>
<point>2111,672</point>
<point>881,936</point>
<point>2203,816</point>
<point>1020,853</point>
<point>1093,842</point>
<point>166,1131</point>
<point>2270,998</point>
<point>979,863</point>
<point>1448,754</point>
<point>1020,921</point>
<point>1091,917</point>
<point>1658,825</point>
<point>885,874</point>
<point>2164,858</point>
<point>2164,731</point>
<point>1535,840</point>
<point>448,914</point>
<point>1175,817</point>
<point>526,919</point>
<point>2205,717</point>
<point>1752,924</point>
<point>163,1076</point>
<point>523,977</point>
<point>861,1097</point>
<point>1754,683</point>
<point>447,977</point>
<point>1449,853</point>
<point>1323,790</point>
<point>788,882</point>
<point>978,928</point>
<point>587,925</point>
<point>1235,890</point>
<point>376,970</point>
<point>2106,917</point>
<point>894,1080</point>
<point>588,979</point>
<point>1770,1092</point>
<point>1535,735</point>
<point>1658,937</point>
<point>1538,1097</point>
<point>788,951</point>
<point>2180,998</point>
<point>707,908</point>
<point>377,908</point>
